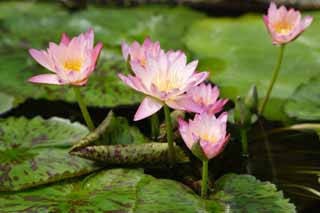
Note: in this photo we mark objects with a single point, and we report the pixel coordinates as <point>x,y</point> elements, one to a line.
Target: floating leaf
<point>35,152</point>
<point>304,104</point>
<point>132,154</point>
<point>112,130</point>
<point>6,102</point>
<point>115,190</point>
<point>239,53</point>
<point>114,142</point>
<point>244,193</point>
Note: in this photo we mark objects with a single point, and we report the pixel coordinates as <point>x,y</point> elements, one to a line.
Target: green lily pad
<point>128,190</point>
<point>35,152</point>
<point>304,104</point>
<point>115,190</point>
<point>31,26</point>
<point>244,193</point>
<point>114,142</point>
<point>6,102</point>
<point>111,131</point>
<point>239,53</point>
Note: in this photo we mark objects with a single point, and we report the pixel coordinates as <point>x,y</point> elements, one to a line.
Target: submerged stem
<point>155,127</point>
<point>204,184</point>
<point>244,142</point>
<point>169,133</point>
<point>83,108</point>
<point>273,79</point>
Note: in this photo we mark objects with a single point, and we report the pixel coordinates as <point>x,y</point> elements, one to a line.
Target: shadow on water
<point>277,158</point>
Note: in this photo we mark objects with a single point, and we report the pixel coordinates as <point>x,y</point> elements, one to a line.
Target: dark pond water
<point>275,158</point>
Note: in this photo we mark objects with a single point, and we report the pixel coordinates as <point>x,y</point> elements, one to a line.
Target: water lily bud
<point>205,135</point>
<point>242,114</point>
<point>251,100</point>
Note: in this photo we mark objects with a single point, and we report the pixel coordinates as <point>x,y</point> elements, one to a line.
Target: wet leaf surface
<point>35,152</point>
<point>304,104</point>
<point>115,190</point>
<point>128,190</point>
<point>244,193</point>
<point>239,53</point>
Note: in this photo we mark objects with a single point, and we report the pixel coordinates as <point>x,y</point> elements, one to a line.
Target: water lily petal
<point>148,107</point>
<point>45,79</point>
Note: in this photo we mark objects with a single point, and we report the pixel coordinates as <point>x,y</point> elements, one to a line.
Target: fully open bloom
<point>285,25</point>
<point>138,53</point>
<point>71,61</point>
<point>204,98</point>
<point>207,131</point>
<point>163,79</point>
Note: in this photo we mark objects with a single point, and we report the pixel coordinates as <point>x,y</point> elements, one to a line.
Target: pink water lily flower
<point>71,61</point>
<point>205,98</point>
<point>285,25</point>
<point>163,78</point>
<point>207,130</point>
<point>138,53</point>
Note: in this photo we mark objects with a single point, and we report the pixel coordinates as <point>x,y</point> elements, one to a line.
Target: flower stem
<point>244,142</point>
<point>273,79</point>
<point>204,185</point>
<point>169,133</point>
<point>154,126</point>
<point>83,108</point>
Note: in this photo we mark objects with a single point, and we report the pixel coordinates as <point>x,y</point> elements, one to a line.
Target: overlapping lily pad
<point>244,193</point>
<point>239,53</point>
<point>35,152</point>
<point>127,190</point>
<point>114,142</point>
<point>304,104</point>
<point>116,190</point>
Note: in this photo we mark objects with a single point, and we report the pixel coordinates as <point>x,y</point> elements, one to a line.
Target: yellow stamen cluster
<point>73,64</point>
<point>283,28</point>
<point>210,138</point>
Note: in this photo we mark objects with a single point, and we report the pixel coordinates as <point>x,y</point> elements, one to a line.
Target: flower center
<point>283,28</point>
<point>73,64</point>
<point>165,83</point>
<point>209,138</point>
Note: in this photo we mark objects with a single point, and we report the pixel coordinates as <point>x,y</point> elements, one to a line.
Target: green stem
<point>273,79</point>
<point>155,126</point>
<point>169,133</point>
<point>83,108</point>
<point>244,142</point>
<point>204,185</point>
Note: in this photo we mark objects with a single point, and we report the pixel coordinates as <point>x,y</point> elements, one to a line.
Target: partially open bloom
<point>138,53</point>
<point>207,132</point>
<point>204,98</point>
<point>71,61</point>
<point>285,25</point>
<point>163,79</point>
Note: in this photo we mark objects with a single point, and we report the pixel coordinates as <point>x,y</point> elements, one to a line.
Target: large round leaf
<point>34,152</point>
<point>239,53</point>
<point>244,193</point>
<point>116,190</point>
<point>124,190</point>
<point>304,104</point>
